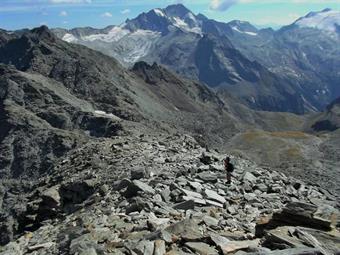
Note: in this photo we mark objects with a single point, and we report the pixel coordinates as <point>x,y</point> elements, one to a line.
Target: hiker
<point>229,167</point>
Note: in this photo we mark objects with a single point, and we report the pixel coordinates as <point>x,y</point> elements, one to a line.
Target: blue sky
<point>16,14</point>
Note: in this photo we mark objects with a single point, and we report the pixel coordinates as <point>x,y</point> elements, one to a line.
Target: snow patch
<point>178,22</point>
<point>141,42</point>
<point>191,16</point>
<point>114,35</point>
<point>134,46</point>
<point>244,32</point>
<point>325,20</point>
<point>109,115</point>
<point>159,12</point>
<point>251,33</point>
<point>69,38</point>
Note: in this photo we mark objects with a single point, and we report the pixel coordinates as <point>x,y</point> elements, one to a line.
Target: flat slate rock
<point>188,230</point>
<point>212,195</point>
<point>296,251</point>
<point>186,205</point>
<point>138,186</point>
<point>307,215</point>
<point>208,177</point>
<point>201,248</point>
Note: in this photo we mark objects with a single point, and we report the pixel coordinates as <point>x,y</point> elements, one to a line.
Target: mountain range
<point>293,69</point>
<point>63,95</point>
<point>58,86</point>
<point>125,156</point>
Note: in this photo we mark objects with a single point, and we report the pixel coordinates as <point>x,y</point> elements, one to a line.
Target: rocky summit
<point>164,195</point>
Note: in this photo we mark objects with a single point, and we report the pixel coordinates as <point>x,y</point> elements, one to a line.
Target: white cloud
<point>106,15</point>
<point>63,13</point>
<point>70,1</point>
<point>222,5</point>
<point>125,11</point>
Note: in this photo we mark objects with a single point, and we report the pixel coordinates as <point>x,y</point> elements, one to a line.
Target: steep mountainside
<point>329,120</point>
<point>327,20</point>
<point>217,63</point>
<point>70,87</point>
<point>306,55</point>
<point>61,87</point>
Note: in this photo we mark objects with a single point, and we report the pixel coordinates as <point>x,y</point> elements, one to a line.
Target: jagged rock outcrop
<point>327,121</point>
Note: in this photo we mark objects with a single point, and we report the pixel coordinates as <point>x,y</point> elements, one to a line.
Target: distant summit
<point>177,10</point>
<point>327,19</point>
<point>164,20</point>
<point>285,70</point>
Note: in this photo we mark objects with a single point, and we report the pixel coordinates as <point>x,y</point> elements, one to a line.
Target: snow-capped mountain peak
<point>159,12</point>
<point>177,10</point>
<point>161,20</point>
<point>327,19</point>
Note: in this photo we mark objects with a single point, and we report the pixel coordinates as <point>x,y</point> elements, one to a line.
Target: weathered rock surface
<point>98,209</point>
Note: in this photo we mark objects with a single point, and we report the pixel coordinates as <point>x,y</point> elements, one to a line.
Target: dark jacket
<point>229,167</point>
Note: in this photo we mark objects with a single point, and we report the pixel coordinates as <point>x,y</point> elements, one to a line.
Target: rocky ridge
<point>164,195</point>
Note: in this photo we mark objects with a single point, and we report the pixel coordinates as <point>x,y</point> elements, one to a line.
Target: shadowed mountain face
<point>217,63</point>
<point>299,62</point>
<point>327,121</point>
<point>56,96</point>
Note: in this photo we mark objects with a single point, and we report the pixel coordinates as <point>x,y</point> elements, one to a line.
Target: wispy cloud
<point>106,15</point>
<point>222,5</point>
<point>63,13</point>
<point>125,11</point>
<point>70,1</point>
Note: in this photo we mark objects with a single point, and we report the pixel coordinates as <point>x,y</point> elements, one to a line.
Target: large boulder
<point>213,195</point>
<point>188,230</point>
<point>138,186</point>
<point>201,248</point>
<point>227,246</point>
<point>308,215</point>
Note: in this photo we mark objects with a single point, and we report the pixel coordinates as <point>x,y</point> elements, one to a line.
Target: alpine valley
<point>112,140</point>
